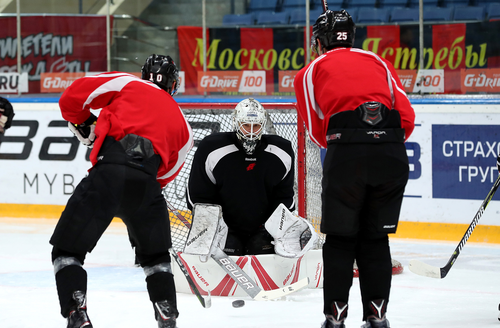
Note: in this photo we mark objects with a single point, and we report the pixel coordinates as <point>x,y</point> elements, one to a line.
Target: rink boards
<point>452,154</point>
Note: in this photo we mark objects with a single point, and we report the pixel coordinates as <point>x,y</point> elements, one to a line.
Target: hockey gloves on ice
<point>85,131</point>
<point>6,115</point>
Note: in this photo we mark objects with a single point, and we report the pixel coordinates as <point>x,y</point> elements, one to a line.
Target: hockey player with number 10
<point>354,105</point>
<point>139,143</point>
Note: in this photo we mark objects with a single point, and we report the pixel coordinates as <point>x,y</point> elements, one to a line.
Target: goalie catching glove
<point>85,131</point>
<point>208,231</point>
<point>293,235</point>
<point>6,114</point>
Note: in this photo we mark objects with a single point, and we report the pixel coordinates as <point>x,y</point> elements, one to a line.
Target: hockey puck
<point>238,303</point>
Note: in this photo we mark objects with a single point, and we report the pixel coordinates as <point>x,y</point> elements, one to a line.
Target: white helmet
<point>249,119</point>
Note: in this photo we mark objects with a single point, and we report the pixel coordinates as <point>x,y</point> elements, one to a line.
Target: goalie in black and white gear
<point>248,173</point>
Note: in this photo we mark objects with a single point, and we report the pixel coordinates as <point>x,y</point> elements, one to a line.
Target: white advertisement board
<point>452,154</point>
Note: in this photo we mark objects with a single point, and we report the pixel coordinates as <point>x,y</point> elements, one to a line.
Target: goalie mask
<point>333,29</point>
<point>249,119</point>
<point>161,70</point>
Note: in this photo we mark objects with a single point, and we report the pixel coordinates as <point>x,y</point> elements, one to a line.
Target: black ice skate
<point>78,317</point>
<point>165,314</point>
<point>337,319</point>
<point>377,319</point>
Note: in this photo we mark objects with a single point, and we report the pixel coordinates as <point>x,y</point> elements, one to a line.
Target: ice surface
<point>117,297</point>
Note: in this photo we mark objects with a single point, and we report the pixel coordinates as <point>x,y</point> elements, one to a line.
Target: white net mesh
<point>211,117</point>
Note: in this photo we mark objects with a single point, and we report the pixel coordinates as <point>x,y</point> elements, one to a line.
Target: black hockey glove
<point>85,131</point>
<point>6,114</point>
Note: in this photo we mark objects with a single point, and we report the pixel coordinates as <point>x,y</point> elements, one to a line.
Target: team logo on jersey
<point>376,134</point>
<point>250,166</point>
<point>334,136</point>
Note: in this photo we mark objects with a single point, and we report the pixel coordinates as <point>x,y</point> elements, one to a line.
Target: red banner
<point>448,45</point>
<point>191,56</point>
<point>259,41</point>
<point>53,44</point>
<point>448,48</point>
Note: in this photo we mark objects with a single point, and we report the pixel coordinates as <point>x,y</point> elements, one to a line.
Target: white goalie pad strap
<point>293,235</point>
<point>207,231</point>
<point>63,261</point>
<point>161,267</point>
<point>89,141</point>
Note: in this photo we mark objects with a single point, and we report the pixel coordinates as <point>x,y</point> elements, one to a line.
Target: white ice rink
<point>117,297</point>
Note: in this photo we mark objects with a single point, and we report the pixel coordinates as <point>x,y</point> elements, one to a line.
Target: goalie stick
<point>427,270</point>
<point>241,277</point>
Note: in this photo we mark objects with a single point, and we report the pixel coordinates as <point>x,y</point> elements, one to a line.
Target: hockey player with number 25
<point>354,105</point>
<point>139,143</point>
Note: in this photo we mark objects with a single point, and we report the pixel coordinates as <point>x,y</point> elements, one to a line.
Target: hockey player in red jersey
<point>354,104</point>
<point>139,143</point>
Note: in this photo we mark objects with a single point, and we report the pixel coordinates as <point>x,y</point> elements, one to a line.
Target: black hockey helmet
<point>161,70</point>
<point>333,29</point>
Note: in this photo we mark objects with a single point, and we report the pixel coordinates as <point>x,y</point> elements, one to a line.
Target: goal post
<point>210,117</point>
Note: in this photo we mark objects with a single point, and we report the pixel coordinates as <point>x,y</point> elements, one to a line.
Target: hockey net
<point>207,118</point>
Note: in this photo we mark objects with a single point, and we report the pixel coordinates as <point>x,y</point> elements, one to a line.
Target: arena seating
<point>373,15</point>
<point>234,20</point>
<point>298,16</point>
<point>438,14</point>
<point>493,11</point>
<point>283,12</point>
<point>404,15</point>
<point>272,18</point>
<point>262,5</point>
<point>469,13</point>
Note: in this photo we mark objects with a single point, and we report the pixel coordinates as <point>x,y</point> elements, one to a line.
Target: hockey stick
<point>427,270</point>
<point>206,302</point>
<point>325,5</point>
<point>241,277</point>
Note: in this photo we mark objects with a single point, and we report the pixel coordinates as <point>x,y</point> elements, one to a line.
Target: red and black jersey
<point>247,187</point>
<point>341,80</point>
<point>130,105</point>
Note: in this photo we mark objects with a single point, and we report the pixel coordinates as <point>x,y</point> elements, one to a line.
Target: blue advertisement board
<point>464,160</point>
